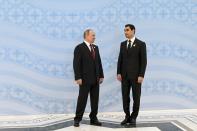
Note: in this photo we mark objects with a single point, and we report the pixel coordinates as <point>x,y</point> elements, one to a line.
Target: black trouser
<point>84,90</point>
<point>127,84</point>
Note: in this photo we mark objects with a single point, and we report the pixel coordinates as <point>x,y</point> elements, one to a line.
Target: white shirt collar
<point>88,44</point>
<point>132,39</point>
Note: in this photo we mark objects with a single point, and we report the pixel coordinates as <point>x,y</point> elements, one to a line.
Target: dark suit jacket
<point>132,62</point>
<point>85,67</point>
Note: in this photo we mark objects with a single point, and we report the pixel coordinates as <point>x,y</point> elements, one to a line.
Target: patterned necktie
<point>92,51</point>
<point>129,45</point>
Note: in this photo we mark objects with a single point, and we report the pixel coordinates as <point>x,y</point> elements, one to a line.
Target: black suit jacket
<point>132,62</point>
<point>85,67</point>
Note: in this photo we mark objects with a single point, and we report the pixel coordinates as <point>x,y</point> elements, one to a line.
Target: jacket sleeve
<point>77,63</point>
<point>101,74</point>
<point>143,60</point>
<point>119,64</point>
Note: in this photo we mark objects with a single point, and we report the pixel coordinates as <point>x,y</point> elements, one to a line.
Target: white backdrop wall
<point>37,39</point>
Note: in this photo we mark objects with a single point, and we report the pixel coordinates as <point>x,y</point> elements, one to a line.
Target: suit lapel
<point>133,47</point>
<point>134,43</point>
<point>88,50</point>
<point>125,46</point>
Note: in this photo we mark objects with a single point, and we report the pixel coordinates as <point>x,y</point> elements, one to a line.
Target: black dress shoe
<point>132,121</point>
<point>95,122</point>
<point>76,123</point>
<point>125,121</point>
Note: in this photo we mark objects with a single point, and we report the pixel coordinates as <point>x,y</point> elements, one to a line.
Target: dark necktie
<point>129,45</point>
<point>92,51</point>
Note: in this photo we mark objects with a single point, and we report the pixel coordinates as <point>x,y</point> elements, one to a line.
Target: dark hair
<point>132,27</point>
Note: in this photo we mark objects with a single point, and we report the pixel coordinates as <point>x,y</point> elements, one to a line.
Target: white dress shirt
<point>132,41</point>
<point>88,45</point>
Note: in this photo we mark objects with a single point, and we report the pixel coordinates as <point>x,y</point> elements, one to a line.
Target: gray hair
<point>86,32</point>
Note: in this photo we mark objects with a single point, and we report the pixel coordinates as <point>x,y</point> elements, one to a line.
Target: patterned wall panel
<point>37,39</point>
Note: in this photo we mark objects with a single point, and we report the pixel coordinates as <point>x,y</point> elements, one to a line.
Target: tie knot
<point>91,45</point>
<point>129,41</point>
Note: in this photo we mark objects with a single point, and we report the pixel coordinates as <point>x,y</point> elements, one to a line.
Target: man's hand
<point>140,79</point>
<point>79,81</point>
<point>119,77</point>
<point>101,80</point>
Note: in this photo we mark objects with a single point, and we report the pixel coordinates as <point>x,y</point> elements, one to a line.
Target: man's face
<point>91,37</point>
<point>128,32</point>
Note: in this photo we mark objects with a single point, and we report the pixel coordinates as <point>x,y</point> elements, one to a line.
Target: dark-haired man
<point>131,68</point>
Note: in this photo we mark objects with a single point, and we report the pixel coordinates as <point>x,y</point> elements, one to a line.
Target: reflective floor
<point>159,120</point>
